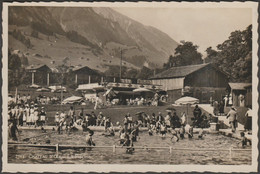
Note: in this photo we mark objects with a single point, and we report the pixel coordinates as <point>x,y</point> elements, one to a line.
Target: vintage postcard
<point>130,87</point>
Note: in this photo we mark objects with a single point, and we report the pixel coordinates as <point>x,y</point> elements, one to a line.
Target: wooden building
<point>203,81</point>
<point>40,74</point>
<point>84,74</point>
<point>241,94</point>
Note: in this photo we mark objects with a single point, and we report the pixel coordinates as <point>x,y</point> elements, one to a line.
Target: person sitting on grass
<point>244,141</point>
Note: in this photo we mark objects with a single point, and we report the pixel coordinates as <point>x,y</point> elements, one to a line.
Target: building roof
<point>85,68</point>
<point>239,86</point>
<point>180,71</point>
<point>35,67</point>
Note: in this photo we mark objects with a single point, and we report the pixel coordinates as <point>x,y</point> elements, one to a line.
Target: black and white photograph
<point>130,86</point>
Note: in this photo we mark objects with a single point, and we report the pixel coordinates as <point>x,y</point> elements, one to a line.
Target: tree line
<point>233,56</point>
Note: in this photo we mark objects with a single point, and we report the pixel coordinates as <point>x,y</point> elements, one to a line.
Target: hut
<point>40,74</point>
<point>203,81</point>
<point>241,94</point>
<point>84,74</point>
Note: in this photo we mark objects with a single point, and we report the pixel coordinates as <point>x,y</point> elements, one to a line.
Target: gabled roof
<point>86,68</point>
<point>35,67</point>
<point>180,71</point>
<point>239,86</point>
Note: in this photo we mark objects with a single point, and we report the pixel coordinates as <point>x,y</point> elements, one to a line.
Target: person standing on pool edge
<point>232,115</point>
<point>71,113</point>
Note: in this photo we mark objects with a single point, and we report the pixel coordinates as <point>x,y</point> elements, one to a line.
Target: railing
<point>58,147</point>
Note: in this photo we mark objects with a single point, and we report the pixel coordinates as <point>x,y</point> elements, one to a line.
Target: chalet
<point>84,74</point>
<point>241,94</point>
<point>40,74</point>
<point>202,81</point>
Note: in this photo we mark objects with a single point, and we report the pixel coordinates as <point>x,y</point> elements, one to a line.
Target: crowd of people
<point>40,99</point>
<point>25,114</point>
<point>32,115</point>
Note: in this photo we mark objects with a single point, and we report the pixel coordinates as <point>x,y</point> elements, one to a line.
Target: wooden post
<point>114,79</point>
<point>76,79</point>
<point>102,79</point>
<point>32,78</point>
<point>57,149</point>
<point>89,79</point>
<point>114,148</point>
<point>230,152</point>
<point>120,75</point>
<point>48,79</point>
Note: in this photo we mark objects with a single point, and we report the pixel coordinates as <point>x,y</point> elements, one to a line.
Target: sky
<point>205,27</point>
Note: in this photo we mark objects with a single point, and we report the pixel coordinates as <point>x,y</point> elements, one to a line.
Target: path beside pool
<point>208,108</point>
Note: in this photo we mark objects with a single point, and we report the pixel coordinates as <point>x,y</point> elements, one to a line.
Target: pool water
<point>31,155</point>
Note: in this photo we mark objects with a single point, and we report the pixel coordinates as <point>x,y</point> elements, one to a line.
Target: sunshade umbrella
<point>34,86</point>
<point>42,89</point>
<point>187,101</point>
<point>72,99</point>
<point>170,109</point>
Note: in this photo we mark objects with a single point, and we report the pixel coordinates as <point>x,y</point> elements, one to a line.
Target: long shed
<point>204,80</point>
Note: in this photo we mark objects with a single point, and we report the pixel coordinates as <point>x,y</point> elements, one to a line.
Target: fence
<point>58,147</point>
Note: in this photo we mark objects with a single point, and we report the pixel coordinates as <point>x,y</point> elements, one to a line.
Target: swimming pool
<point>29,155</point>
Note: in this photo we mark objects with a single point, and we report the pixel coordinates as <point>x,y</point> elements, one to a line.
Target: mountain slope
<point>87,36</point>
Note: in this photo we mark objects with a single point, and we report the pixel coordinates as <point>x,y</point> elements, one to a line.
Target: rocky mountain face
<point>78,36</point>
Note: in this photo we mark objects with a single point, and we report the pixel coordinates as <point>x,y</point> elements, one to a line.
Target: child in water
<point>182,132</point>
<point>174,135</point>
<point>13,129</point>
<point>129,143</point>
<point>163,129</point>
<point>150,131</point>
<point>89,140</point>
<point>244,140</point>
<point>110,132</point>
<point>190,133</point>
<point>201,133</point>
